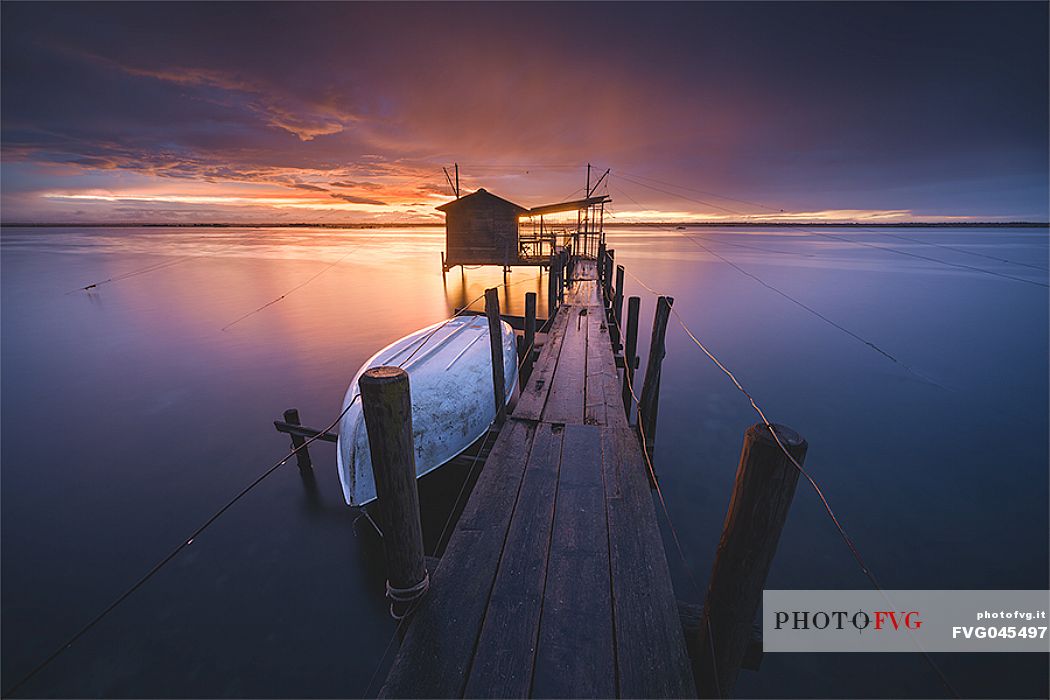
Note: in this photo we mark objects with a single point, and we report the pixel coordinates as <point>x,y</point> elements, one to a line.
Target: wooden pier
<point>555,581</point>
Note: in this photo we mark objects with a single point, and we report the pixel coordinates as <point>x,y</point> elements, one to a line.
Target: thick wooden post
<point>616,313</point>
<point>601,263</point>
<point>552,293</point>
<point>650,400</point>
<point>607,283</point>
<point>630,353</point>
<point>561,278</point>
<point>302,457</point>
<point>529,339</point>
<point>765,484</point>
<point>387,406</point>
<point>499,385</point>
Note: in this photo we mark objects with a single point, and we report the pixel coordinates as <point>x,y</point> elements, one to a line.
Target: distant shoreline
<point>663,224</point>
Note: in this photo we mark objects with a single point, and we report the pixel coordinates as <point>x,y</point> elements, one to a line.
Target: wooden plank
<point>565,401</point>
<point>506,648</point>
<point>530,403</point>
<point>594,403</point>
<point>575,656</point>
<point>440,642</point>
<point>650,646</point>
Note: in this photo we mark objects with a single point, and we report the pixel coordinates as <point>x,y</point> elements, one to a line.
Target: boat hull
<point>449,366</point>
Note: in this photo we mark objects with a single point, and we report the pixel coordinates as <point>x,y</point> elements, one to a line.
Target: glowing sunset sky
<point>346,112</point>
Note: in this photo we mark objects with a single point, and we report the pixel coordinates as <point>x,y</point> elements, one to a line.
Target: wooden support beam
<point>387,406</point>
<point>529,343</point>
<point>284,426</point>
<point>765,484</point>
<point>496,344</point>
<point>650,399</point>
<point>630,352</point>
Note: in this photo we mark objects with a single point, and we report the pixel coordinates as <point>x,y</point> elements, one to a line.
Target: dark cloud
<point>357,200</point>
<point>805,106</point>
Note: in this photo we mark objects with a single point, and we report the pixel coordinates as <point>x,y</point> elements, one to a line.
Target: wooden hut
<point>481,229</point>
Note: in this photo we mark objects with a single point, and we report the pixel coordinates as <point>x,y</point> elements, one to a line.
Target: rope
<point>302,284</point>
<point>200,529</point>
<point>175,552</point>
<point>812,482</point>
<point>881,233</point>
<point>848,240</point>
<point>903,365</point>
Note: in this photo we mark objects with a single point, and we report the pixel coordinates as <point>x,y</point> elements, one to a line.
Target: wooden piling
<point>650,400</point>
<point>387,406</point>
<point>496,344</point>
<point>765,484</point>
<point>617,309</point>
<point>610,256</point>
<point>561,278</point>
<point>630,353</point>
<point>552,294</point>
<point>302,456</point>
<point>601,264</point>
<point>529,339</point>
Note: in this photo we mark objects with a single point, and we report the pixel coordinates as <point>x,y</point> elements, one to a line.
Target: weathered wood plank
<point>595,404</point>
<point>532,399</point>
<point>502,667</point>
<point>575,656</point>
<point>650,647</point>
<point>440,642</point>
<point>566,398</point>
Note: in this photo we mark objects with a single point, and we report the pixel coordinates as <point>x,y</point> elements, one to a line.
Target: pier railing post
<point>650,400</point>
<point>499,384</point>
<point>601,264</point>
<point>630,353</point>
<point>552,292</point>
<point>617,308</point>
<point>607,278</point>
<point>387,406</point>
<point>765,484</point>
<point>561,278</point>
<point>529,339</point>
<point>302,455</point>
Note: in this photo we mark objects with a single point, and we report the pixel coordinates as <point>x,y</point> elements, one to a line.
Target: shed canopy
<point>574,205</point>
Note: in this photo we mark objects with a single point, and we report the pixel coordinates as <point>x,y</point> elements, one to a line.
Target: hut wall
<point>483,233</point>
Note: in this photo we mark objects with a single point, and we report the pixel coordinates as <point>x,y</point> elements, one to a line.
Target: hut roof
<point>481,194</point>
<point>574,205</point>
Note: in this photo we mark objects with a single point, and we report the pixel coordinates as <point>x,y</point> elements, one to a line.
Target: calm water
<point>129,416</point>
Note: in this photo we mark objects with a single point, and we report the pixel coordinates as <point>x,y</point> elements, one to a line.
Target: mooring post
<point>552,295</point>
<point>387,406</point>
<point>630,352</point>
<point>650,400</point>
<point>617,310</point>
<point>601,263</point>
<point>561,278</point>
<point>529,340</point>
<point>762,493</point>
<point>499,384</point>
<point>607,278</point>
<point>302,455</point>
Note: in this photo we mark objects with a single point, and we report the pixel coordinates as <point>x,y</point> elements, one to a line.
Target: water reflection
<point>154,417</point>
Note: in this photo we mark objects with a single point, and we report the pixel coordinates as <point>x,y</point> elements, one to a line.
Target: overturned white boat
<point>449,365</point>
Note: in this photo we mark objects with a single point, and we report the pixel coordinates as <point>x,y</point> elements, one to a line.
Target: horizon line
<point>422,224</point>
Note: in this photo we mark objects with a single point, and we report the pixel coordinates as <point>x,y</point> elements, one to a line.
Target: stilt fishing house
<point>484,229</point>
